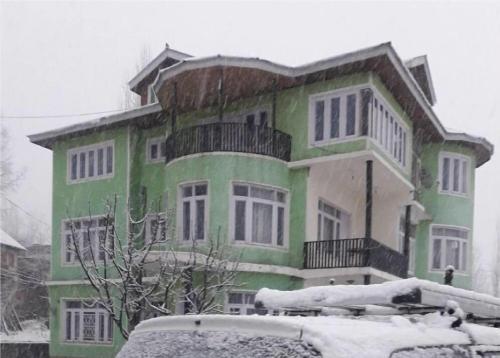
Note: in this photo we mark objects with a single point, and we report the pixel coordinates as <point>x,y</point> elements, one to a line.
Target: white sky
<point>66,58</point>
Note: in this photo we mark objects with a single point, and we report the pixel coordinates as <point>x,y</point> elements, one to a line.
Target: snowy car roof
<point>332,336</point>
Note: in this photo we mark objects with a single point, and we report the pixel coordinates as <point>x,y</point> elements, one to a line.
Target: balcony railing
<point>229,137</point>
<point>354,253</point>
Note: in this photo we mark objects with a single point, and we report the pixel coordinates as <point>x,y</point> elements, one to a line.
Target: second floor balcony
<point>229,137</point>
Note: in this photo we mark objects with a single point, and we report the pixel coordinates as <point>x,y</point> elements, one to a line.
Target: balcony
<point>354,253</point>
<point>229,137</point>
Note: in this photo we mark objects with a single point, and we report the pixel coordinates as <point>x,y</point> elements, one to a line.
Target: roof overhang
<point>419,68</point>
<point>148,114</point>
<point>155,64</point>
<point>481,146</point>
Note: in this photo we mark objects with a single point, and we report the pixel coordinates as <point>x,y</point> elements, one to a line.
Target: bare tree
<point>143,274</point>
<point>9,178</point>
<point>129,99</point>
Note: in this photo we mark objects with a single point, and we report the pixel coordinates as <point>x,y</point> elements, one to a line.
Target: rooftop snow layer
<point>6,239</point>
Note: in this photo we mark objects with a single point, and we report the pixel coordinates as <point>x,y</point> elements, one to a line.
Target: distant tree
<point>140,276</point>
<point>9,177</point>
<point>129,99</point>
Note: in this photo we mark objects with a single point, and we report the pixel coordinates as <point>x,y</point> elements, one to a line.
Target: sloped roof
<point>7,240</point>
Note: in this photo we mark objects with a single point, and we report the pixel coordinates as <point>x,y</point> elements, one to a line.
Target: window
<point>388,130</point>
<point>193,211</point>
<point>454,174</point>
<point>257,118</point>
<point>86,321</point>
<point>92,236</point>
<point>333,116</point>
<point>242,303</point>
<point>156,150</point>
<point>449,247</point>
<point>151,95</point>
<point>91,162</point>
<point>259,214</point>
<point>332,222</point>
<point>155,228</point>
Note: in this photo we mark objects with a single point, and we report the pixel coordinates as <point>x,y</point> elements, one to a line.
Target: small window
<point>259,215</point>
<point>449,247</point>
<point>91,162</point>
<point>86,322</point>
<point>454,174</point>
<point>156,150</point>
<point>193,211</point>
<point>333,224</point>
<point>151,95</point>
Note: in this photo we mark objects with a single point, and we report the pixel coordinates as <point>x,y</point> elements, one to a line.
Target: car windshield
<point>213,344</point>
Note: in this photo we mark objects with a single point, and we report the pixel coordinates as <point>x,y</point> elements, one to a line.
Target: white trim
<point>155,141</point>
<point>166,53</point>
<point>248,221</point>
<point>248,155</point>
<point>85,149</point>
<point>451,156</point>
<point>430,250</point>
<point>151,95</point>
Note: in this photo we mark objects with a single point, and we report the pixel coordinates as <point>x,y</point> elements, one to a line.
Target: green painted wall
<point>444,209</point>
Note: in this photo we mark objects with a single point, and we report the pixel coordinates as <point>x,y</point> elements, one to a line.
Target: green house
<point>338,169</point>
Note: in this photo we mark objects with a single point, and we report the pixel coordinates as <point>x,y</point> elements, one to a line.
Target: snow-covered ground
<point>33,332</point>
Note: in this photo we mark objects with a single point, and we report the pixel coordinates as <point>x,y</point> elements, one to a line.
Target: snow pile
<point>33,332</point>
<point>361,294</point>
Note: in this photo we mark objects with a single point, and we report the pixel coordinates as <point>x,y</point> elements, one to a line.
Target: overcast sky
<point>71,58</point>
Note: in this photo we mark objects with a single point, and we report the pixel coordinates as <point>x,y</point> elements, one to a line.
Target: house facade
<point>338,169</point>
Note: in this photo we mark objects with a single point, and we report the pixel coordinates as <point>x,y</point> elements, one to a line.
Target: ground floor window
<point>449,246</point>
<point>86,321</point>
<point>243,303</point>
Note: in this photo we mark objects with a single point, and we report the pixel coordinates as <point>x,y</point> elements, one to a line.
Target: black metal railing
<point>229,137</point>
<point>359,252</point>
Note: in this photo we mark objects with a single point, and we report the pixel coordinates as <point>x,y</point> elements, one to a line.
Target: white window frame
<point>158,141</point>
<point>245,305</point>
<point>461,242</point>
<point>148,229</point>
<point>151,95</point>
<point>85,150</point>
<point>382,131</point>
<point>192,199</point>
<point>341,224</point>
<point>80,231</point>
<point>327,97</point>
<point>248,214</point>
<point>84,308</point>
<point>462,160</point>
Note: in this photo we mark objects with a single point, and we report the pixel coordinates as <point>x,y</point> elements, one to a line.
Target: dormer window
<point>151,95</point>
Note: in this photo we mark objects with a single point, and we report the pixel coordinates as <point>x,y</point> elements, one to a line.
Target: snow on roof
<point>332,336</point>
<point>7,240</point>
<point>376,294</point>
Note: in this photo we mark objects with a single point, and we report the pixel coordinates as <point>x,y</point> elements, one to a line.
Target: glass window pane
<point>200,190</point>
<point>239,220</point>
<point>68,326</point>
<point>100,161</point>
<point>76,325</point>
<point>250,298</point>
<point>319,120</point>
<point>200,220</point>
<point>186,222</point>
<point>101,327</point>
<point>89,325</point>
<point>235,298</point>
<point>445,182</point>
<point>91,163</point>
<point>110,328</point>
<point>452,253</point>
<point>281,226</point>
<point>404,148</point>
<point>153,151</point>
<point>464,177</point>
<point>328,229</point>
<point>82,165</point>
<point>456,174</point>
<point>400,143</point>
<point>375,120</point>
<point>187,191</point>
<point>262,193</point>
<point>74,167</point>
<point>109,159</point>
<point>335,117</point>
<point>262,223</point>
<point>436,254</point>
<point>240,190</point>
<point>351,115</point>
<point>386,129</point>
